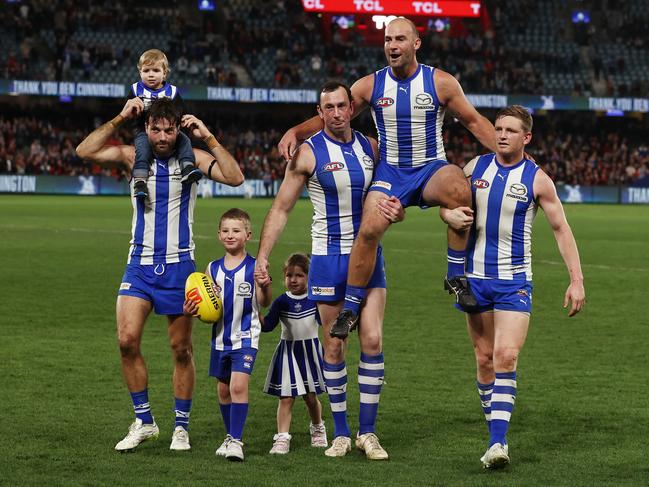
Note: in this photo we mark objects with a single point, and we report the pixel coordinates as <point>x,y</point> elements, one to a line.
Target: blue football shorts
<point>328,276</point>
<point>406,183</point>
<point>161,284</point>
<point>501,295</point>
<point>224,362</point>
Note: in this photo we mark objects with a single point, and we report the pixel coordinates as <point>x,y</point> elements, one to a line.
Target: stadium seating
<point>533,46</point>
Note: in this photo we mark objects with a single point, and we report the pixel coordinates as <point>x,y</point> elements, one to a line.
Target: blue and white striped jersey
<point>297,314</point>
<point>239,327</point>
<point>408,118</point>
<point>337,189</point>
<point>500,245</point>
<point>162,223</point>
<point>148,95</point>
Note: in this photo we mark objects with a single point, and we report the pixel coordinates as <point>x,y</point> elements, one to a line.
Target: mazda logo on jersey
<point>384,102</point>
<point>368,162</point>
<point>481,183</point>
<point>423,99</point>
<point>518,191</point>
<point>244,290</point>
<point>424,102</point>
<point>333,166</point>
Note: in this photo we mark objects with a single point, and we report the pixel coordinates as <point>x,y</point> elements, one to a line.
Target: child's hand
<point>262,278</point>
<point>190,308</point>
<point>133,108</point>
<point>197,128</point>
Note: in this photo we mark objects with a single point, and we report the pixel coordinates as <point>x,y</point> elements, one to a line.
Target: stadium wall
<point>257,188</point>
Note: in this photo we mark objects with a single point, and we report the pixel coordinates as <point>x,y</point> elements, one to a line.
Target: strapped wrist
<point>210,141</point>
<point>117,121</point>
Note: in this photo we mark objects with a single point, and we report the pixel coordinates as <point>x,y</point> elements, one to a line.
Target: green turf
<point>581,417</point>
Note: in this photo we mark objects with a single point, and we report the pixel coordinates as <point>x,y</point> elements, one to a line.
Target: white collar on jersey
<point>295,296</point>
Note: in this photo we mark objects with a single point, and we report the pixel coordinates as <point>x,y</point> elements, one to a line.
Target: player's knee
<point>506,358</point>
<point>484,361</point>
<point>369,234</point>
<point>129,346</point>
<point>183,353</point>
<point>237,390</point>
<point>334,352</point>
<point>372,343</point>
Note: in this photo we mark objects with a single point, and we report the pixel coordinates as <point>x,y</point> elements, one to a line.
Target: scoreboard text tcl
<point>447,8</point>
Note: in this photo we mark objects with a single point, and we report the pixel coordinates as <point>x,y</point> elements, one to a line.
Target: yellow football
<point>200,288</point>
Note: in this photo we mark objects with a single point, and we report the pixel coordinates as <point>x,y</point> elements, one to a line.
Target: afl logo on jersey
<point>481,183</point>
<point>333,166</point>
<point>384,102</point>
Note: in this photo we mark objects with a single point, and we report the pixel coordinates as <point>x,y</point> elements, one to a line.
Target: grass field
<point>581,417</point>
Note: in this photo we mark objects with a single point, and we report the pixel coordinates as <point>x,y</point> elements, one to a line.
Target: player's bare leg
<point>449,188</point>
<point>131,316</point>
<point>362,261</point>
<point>510,331</point>
<point>334,370</point>
<point>370,372</point>
<point>180,339</point>
<point>132,312</point>
<point>363,256</point>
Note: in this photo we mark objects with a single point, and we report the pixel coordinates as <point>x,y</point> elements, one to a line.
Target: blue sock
<point>335,376</point>
<point>238,414</point>
<point>354,297</point>
<point>141,406</point>
<point>455,259</point>
<point>182,408</point>
<point>225,414</point>
<point>502,405</point>
<point>485,391</point>
<point>370,380</point>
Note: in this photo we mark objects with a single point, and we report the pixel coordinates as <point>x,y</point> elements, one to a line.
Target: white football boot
<point>340,446</point>
<point>180,439</point>
<point>234,450</point>
<point>222,450</point>
<point>369,443</point>
<point>137,433</point>
<point>496,456</point>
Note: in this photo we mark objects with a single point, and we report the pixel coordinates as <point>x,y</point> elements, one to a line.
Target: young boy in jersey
<point>154,68</point>
<point>296,367</point>
<point>235,337</point>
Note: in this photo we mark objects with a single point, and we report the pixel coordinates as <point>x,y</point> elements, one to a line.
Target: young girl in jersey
<point>235,337</point>
<point>296,368</point>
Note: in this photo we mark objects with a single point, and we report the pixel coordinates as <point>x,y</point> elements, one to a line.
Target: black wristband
<point>209,171</point>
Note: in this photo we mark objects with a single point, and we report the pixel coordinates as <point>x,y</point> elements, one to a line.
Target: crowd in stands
<point>243,41</point>
<point>31,145</point>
